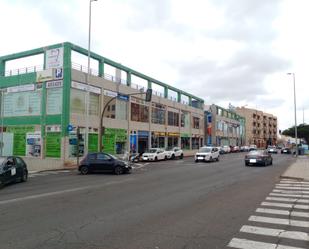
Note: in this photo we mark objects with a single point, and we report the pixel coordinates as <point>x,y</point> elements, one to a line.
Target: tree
<point>302,132</point>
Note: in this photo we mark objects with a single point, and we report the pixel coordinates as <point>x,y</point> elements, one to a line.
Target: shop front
<point>173,139</point>
<point>114,141</point>
<point>143,137</point>
<point>157,139</point>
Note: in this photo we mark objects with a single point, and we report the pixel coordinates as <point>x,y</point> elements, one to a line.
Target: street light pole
<point>87,98</point>
<point>296,152</point>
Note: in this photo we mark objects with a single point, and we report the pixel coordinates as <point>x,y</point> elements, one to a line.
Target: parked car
<point>226,148</point>
<point>174,152</point>
<point>258,157</point>
<point>103,162</point>
<point>272,149</point>
<point>12,169</point>
<point>154,154</point>
<point>286,150</point>
<point>252,147</point>
<point>244,148</point>
<point>207,154</point>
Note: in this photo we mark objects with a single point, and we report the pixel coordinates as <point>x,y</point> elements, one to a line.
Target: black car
<point>103,162</point>
<point>12,169</point>
<point>258,157</point>
<point>286,151</point>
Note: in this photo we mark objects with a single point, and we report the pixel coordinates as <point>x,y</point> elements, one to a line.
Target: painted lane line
<point>279,221</point>
<point>282,212</point>
<point>287,199</point>
<point>251,244</point>
<point>284,205</point>
<point>289,195</point>
<point>296,188</point>
<point>38,196</point>
<point>275,232</point>
<point>297,182</point>
<point>290,191</point>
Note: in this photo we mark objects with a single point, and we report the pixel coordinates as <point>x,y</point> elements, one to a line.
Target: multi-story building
<point>42,108</point>
<point>223,127</point>
<point>261,128</point>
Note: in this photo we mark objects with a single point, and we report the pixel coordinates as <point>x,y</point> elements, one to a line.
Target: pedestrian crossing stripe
<point>287,199</point>
<point>292,185</point>
<point>285,205</point>
<point>289,195</point>
<point>279,221</point>
<point>282,212</point>
<point>296,188</point>
<point>295,235</point>
<point>297,182</point>
<point>290,191</point>
<point>251,244</point>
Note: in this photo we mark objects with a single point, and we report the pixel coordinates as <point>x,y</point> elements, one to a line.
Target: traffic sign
<point>70,127</point>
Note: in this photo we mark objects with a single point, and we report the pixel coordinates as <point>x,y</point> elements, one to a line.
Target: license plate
<point>145,158</point>
<point>200,158</point>
<point>285,151</point>
<point>252,160</point>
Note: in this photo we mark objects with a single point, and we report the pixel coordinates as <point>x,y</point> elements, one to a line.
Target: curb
<point>47,170</point>
<point>291,177</point>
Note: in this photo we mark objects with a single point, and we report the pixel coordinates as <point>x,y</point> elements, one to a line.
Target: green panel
<point>93,142</point>
<point>53,144</point>
<point>19,141</point>
<point>53,119</point>
<point>66,89</point>
<point>28,78</point>
<point>101,67</point>
<point>111,137</point>
<point>29,120</point>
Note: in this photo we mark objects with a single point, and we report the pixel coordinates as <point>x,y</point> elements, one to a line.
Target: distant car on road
<point>174,152</point>
<point>226,148</point>
<point>12,169</point>
<point>207,154</point>
<point>244,148</point>
<point>258,157</point>
<point>286,150</point>
<point>252,147</point>
<point>103,162</point>
<point>154,154</point>
<point>272,149</point>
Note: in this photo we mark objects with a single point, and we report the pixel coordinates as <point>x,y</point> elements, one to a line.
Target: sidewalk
<point>298,170</point>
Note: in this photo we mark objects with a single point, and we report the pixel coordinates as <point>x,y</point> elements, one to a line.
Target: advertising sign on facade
<point>54,58</point>
<point>54,84</point>
<point>33,144</point>
<point>45,75</point>
<point>22,88</point>
<point>84,87</point>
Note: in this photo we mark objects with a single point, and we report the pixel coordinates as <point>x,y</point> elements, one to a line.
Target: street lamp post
<point>87,82</point>
<point>296,152</point>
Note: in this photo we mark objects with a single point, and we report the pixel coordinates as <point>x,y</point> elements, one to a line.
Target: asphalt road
<point>170,204</point>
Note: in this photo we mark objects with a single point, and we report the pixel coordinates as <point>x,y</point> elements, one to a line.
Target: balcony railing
<point>24,70</point>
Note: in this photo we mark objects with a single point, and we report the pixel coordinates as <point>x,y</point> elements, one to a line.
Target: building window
<point>196,123</point>
<point>78,102</point>
<point>158,114</point>
<point>172,142</point>
<point>116,109</point>
<point>195,143</point>
<point>185,143</point>
<point>157,141</point>
<point>185,119</point>
<point>139,113</point>
<point>173,118</point>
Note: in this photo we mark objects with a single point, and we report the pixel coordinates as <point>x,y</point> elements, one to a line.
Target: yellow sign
<point>173,134</point>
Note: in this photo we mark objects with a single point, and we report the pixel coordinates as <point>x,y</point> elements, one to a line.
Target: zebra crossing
<point>281,221</point>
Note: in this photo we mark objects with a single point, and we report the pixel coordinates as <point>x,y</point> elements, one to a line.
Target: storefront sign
<point>22,88</point>
<point>54,84</point>
<point>84,87</point>
<point>159,134</point>
<point>143,133</point>
<point>45,75</point>
<point>54,58</point>
<point>173,134</point>
<point>185,135</point>
<point>33,147</point>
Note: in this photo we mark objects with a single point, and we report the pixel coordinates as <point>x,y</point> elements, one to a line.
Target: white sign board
<point>54,84</point>
<point>84,87</point>
<point>22,88</point>
<point>54,58</point>
<point>45,75</point>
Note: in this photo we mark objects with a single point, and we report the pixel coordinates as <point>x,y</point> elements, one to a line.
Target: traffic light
<point>148,95</point>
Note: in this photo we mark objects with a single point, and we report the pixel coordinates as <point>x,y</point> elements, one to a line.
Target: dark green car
<point>12,169</point>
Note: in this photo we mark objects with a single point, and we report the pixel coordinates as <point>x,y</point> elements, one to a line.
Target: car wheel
<point>210,159</point>
<point>218,159</point>
<point>118,170</point>
<point>196,161</point>
<point>84,170</point>
<point>247,164</point>
<point>156,159</point>
<point>24,176</point>
<point>181,156</point>
<point>173,156</point>
<point>165,158</point>
<point>271,162</point>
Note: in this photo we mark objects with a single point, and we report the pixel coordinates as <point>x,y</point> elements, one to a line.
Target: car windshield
<point>169,148</point>
<point>256,152</point>
<point>205,150</point>
<point>112,156</point>
<point>152,151</point>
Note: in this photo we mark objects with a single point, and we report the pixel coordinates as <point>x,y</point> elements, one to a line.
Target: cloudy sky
<point>224,51</point>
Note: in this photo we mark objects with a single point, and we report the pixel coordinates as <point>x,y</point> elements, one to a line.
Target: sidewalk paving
<point>299,169</point>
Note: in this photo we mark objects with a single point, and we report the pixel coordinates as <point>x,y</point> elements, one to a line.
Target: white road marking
<point>251,244</point>
<point>285,205</point>
<point>32,197</point>
<point>297,182</point>
<point>290,191</point>
<point>287,199</point>
<point>282,212</point>
<point>292,185</point>
<point>296,188</point>
<point>276,233</point>
<point>289,195</point>
<point>279,221</point>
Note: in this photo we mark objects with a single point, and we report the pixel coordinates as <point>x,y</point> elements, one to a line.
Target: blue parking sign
<point>58,73</point>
